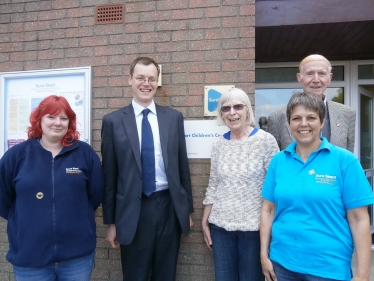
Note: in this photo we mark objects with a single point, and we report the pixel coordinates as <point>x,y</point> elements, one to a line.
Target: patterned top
<point>238,169</point>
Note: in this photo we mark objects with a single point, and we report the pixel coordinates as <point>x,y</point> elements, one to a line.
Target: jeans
<point>236,255</point>
<point>283,274</point>
<point>71,270</point>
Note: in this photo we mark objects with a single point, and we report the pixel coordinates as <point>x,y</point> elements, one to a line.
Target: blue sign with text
<point>213,97</point>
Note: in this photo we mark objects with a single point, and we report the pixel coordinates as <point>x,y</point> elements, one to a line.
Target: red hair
<point>53,105</point>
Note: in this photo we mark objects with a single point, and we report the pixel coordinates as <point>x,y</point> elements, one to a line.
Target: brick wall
<point>197,42</point>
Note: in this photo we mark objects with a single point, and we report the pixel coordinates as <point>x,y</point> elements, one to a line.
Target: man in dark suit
<point>339,129</point>
<point>146,213</point>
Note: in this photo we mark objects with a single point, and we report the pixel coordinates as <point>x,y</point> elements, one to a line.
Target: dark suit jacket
<point>342,124</point>
<point>123,174</point>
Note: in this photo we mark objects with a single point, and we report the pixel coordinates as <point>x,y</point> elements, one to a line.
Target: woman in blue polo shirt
<point>315,204</point>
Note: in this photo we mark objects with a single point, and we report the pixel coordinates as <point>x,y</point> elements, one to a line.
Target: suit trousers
<point>153,253</point>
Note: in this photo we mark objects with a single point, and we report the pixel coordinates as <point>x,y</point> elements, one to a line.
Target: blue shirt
<point>310,232</point>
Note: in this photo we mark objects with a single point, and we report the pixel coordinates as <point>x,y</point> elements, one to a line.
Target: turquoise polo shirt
<point>310,232</point>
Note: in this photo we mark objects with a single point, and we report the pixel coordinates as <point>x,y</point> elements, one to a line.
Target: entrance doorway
<point>365,115</point>
<point>366,129</point>
<point>352,84</point>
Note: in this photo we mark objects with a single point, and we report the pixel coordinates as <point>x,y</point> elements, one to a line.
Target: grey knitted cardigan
<point>238,169</point>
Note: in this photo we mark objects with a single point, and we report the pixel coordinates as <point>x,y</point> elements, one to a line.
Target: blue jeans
<point>71,270</point>
<point>236,255</point>
<point>283,274</point>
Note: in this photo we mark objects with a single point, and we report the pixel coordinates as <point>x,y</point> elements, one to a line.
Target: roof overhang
<point>292,29</point>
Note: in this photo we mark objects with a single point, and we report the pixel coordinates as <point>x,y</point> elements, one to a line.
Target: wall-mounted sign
<point>160,76</point>
<point>211,96</point>
<point>21,92</point>
<point>200,136</point>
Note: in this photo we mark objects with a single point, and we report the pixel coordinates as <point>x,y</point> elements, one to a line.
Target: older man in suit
<point>148,199</point>
<point>315,75</point>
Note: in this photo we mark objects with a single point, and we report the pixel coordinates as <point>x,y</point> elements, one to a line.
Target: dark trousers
<point>153,253</point>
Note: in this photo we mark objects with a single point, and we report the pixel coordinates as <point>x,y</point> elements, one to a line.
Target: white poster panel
<point>200,136</point>
<point>22,91</point>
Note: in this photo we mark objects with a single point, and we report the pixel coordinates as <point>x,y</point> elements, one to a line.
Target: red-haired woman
<point>50,186</point>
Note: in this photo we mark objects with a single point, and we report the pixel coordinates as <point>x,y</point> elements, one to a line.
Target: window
<point>276,84</point>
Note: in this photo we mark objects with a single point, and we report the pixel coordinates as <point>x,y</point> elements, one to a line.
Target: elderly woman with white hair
<point>233,201</point>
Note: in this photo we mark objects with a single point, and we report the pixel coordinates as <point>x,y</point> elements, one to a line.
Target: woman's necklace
<point>303,156</point>
<point>309,149</point>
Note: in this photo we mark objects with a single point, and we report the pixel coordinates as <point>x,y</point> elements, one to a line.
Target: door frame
<point>355,96</point>
<point>369,94</point>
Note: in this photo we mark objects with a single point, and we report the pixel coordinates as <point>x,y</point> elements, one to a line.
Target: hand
<point>267,269</point>
<point>356,278</point>
<point>191,222</point>
<point>111,236</point>
<point>206,233</point>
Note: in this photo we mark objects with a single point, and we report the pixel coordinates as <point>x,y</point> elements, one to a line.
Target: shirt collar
<point>324,145</point>
<point>138,108</point>
<point>324,99</point>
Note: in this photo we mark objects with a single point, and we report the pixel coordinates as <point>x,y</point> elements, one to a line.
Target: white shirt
<point>161,180</point>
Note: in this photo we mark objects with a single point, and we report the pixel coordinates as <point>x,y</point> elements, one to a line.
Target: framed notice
<point>200,136</point>
<point>22,91</point>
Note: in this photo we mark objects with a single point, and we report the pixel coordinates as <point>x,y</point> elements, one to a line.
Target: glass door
<point>366,100</point>
<point>366,127</point>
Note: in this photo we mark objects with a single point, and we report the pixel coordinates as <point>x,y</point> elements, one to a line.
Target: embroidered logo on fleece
<point>73,171</point>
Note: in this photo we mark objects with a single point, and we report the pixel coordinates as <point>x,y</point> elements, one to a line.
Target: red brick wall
<point>197,42</point>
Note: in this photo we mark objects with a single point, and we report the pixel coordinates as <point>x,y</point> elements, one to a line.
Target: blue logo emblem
<point>213,97</point>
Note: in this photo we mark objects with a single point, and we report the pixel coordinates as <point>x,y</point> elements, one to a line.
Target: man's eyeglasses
<point>236,107</point>
<point>142,80</point>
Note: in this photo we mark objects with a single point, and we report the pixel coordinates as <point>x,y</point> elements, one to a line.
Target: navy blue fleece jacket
<point>50,202</point>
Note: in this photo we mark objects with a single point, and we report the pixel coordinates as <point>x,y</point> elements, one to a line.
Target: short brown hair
<point>310,101</point>
<point>144,61</point>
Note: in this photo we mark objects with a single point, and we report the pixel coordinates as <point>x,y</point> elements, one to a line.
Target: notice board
<point>22,91</point>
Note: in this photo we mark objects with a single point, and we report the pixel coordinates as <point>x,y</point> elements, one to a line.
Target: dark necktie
<point>326,130</point>
<point>147,156</point>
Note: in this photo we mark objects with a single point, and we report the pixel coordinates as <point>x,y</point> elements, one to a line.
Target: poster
<point>21,92</point>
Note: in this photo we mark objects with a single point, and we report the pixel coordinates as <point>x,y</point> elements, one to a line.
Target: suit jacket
<point>123,174</point>
<point>342,124</point>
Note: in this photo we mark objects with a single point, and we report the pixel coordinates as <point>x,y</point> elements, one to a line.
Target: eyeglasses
<point>142,80</point>
<point>236,107</point>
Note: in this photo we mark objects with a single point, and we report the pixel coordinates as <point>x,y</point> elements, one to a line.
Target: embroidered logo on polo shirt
<point>73,171</point>
<point>311,172</point>
<point>325,179</point>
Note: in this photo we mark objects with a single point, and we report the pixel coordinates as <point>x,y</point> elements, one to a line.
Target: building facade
<point>198,43</point>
